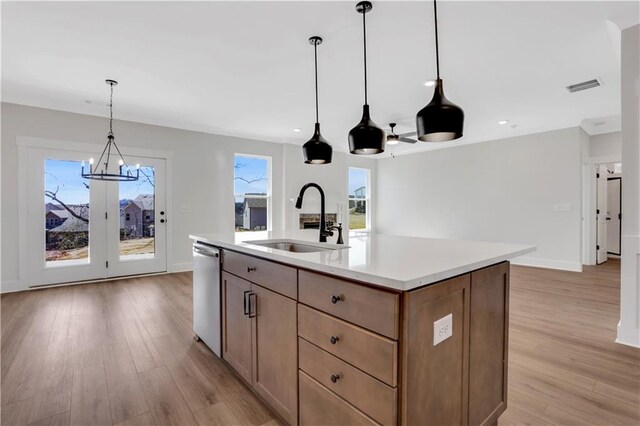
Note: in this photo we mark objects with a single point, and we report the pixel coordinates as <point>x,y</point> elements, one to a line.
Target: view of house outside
<point>358,198</point>
<point>251,189</point>
<point>67,212</point>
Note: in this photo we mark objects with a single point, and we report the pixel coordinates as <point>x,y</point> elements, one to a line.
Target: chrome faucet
<point>324,232</point>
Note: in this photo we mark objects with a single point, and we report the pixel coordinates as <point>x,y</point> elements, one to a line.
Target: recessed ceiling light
<point>429,83</point>
<point>297,130</point>
<point>503,122</point>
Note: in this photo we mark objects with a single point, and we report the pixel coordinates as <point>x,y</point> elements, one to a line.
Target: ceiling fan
<point>393,138</point>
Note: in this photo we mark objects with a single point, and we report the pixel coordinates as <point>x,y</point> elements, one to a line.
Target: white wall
<point>629,326</point>
<point>333,178</point>
<point>200,186</point>
<point>502,190</point>
<point>606,145</point>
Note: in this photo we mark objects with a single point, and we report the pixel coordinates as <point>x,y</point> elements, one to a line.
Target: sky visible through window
<point>64,176</point>
<point>251,175</point>
<point>357,179</point>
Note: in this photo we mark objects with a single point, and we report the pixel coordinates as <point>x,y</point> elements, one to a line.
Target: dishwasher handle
<point>205,251</point>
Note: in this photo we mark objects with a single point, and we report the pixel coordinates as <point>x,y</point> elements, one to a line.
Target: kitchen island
<point>383,330</point>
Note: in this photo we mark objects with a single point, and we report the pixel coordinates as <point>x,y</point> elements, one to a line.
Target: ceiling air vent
<point>583,86</point>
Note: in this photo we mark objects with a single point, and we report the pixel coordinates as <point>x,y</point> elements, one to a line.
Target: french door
<point>78,229</point>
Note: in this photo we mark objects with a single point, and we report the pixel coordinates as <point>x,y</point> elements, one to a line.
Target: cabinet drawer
<point>373,309</point>
<point>370,395</point>
<point>320,406</point>
<point>279,278</point>
<point>371,353</point>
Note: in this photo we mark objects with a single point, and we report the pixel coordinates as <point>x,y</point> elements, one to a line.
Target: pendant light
<point>317,150</point>
<point>99,173</point>
<point>366,138</point>
<point>441,120</point>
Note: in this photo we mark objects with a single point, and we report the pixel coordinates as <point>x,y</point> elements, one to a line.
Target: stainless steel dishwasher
<point>206,296</point>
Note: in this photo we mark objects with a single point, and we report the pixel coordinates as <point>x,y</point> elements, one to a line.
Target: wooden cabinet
<point>435,378</point>
<point>320,406</point>
<point>324,350</point>
<point>260,342</point>
<point>374,354</point>
<point>275,354</point>
<point>236,325</point>
<point>371,308</point>
<point>488,344</point>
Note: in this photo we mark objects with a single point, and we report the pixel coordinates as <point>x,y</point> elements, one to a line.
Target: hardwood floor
<point>564,367</point>
<point>122,353</point>
<point>119,352</point>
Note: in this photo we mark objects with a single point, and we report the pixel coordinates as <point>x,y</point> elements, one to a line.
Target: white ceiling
<point>246,68</point>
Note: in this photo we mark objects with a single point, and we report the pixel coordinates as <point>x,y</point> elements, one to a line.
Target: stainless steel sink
<point>293,246</point>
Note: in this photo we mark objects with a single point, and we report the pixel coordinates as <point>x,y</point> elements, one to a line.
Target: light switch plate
<point>442,329</point>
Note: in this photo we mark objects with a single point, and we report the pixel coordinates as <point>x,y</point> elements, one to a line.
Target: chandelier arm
<point>102,155</point>
<point>120,154</point>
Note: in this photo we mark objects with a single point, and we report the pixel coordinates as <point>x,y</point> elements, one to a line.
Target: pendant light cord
<point>315,54</point>
<point>435,18</point>
<point>364,32</point>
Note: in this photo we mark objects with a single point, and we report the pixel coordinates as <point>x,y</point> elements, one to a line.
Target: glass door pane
<point>66,203</point>
<point>137,220</point>
<point>63,217</point>
<point>137,216</point>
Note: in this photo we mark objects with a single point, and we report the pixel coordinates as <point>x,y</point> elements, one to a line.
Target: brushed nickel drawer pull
<point>335,378</point>
<point>334,340</point>
<point>251,268</point>
<point>335,299</point>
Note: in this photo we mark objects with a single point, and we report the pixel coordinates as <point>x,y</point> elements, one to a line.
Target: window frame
<point>366,198</point>
<point>268,197</point>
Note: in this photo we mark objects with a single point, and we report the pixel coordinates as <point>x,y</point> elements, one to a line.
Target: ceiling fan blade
<point>407,134</point>
<point>407,140</point>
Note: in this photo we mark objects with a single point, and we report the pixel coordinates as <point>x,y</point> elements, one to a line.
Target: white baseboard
<point>628,339</point>
<point>538,262</point>
<point>10,286</point>
<point>181,267</point>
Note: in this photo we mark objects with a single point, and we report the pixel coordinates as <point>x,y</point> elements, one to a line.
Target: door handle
<point>253,308</point>
<point>246,303</point>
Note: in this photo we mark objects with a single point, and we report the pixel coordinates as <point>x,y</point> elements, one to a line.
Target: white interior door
<point>64,213</point>
<point>614,187</point>
<point>601,218</point>
<point>136,221</point>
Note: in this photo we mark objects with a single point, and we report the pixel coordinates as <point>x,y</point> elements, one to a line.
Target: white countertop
<point>394,262</point>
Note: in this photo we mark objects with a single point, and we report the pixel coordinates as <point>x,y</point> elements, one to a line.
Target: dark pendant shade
<point>366,138</point>
<point>317,150</point>
<point>441,120</point>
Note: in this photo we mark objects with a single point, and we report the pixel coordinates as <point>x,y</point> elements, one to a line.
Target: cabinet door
<point>275,351</point>
<point>236,325</point>
<point>489,322</point>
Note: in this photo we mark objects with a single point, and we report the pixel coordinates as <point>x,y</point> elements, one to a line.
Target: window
<point>252,189</point>
<point>127,216</point>
<point>359,199</point>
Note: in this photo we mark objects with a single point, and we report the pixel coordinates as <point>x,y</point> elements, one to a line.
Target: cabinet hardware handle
<point>334,340</point>
<point>335,378</point>
<point>246,304</point>
<point>253,307</point>
<point>251,268</point>
<point>335,299</point>
<point>162,221</point>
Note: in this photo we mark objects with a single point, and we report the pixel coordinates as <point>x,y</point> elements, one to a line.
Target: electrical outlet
<point>442,329</point>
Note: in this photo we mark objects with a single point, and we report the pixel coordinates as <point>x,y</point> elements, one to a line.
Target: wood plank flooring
<point>119,352</point>
<point>122,353</point>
